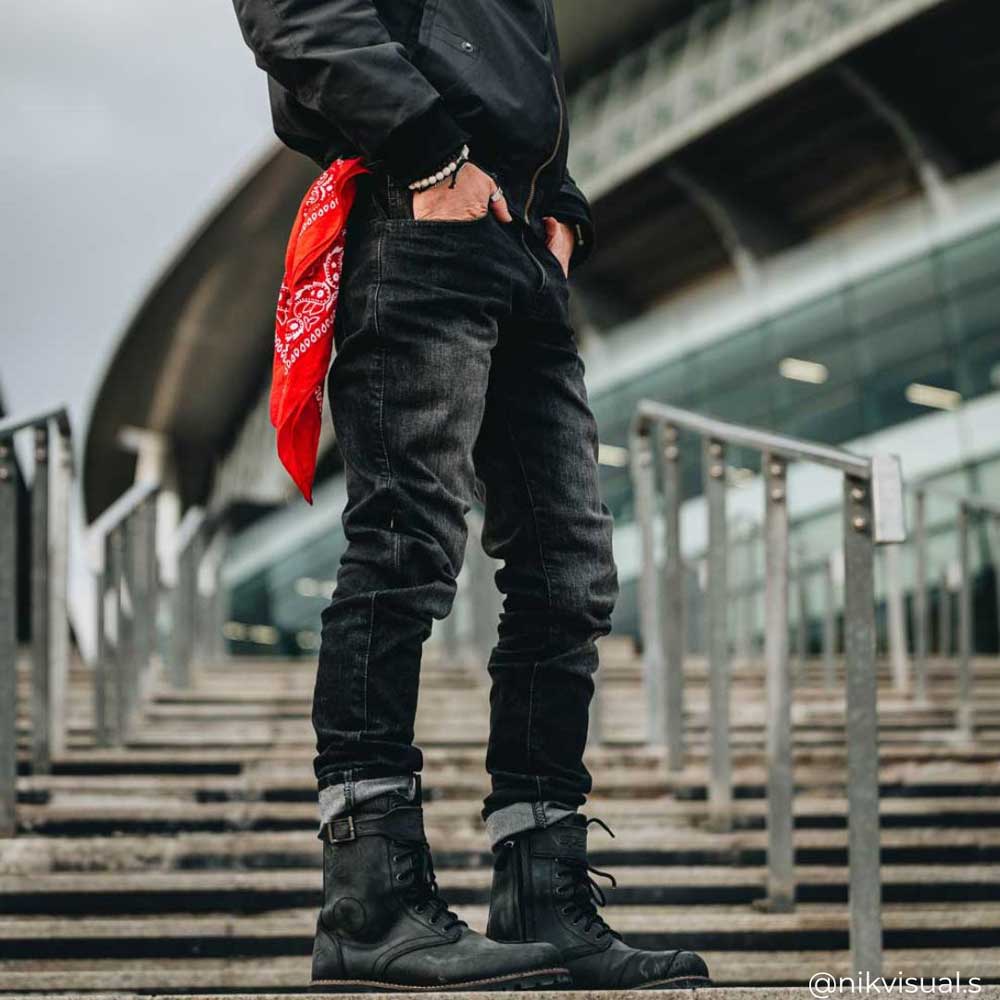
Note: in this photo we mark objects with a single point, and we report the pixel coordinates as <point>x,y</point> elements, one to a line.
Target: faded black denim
<point>457,378</point>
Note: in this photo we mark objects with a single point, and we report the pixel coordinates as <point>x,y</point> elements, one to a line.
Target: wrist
<point>447,170</point>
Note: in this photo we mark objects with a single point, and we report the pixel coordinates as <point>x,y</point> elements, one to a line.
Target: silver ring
<point>497,195</point>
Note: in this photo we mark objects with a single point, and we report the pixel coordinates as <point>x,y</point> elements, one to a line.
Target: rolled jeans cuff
<point>519,817</point>
<point>343,799</point>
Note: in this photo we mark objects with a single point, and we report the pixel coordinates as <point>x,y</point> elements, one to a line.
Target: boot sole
<point>536,979</point>
<point>681,983</point>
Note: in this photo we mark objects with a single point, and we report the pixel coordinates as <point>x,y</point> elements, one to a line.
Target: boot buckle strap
<point>341,831</point>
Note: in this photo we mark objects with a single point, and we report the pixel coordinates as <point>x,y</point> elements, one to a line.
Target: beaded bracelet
<point>446,171</point>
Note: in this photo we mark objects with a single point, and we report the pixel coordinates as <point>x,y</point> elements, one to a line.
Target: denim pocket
<point>399,202</point>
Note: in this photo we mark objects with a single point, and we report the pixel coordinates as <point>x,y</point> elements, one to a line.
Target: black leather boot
<point>542,891</point>
<point>384,927</point>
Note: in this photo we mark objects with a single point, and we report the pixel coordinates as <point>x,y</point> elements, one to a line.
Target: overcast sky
<point>124,122</point>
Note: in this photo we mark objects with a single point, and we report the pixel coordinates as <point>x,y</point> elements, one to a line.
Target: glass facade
<point>932,320</point>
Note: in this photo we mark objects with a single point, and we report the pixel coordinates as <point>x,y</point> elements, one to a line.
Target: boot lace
<point>583,894</point>
<point>420,884</point>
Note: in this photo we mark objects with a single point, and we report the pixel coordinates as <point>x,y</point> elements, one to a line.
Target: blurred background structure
<point>798,232</point>
<point>798,229</point>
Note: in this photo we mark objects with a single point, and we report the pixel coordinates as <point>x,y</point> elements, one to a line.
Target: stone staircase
<point>187,862</point>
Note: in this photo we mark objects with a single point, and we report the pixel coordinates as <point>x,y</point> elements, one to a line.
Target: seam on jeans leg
<point>381,353</point>
<point>531,707</point>
<point>368,653</point>
<point>534,512</point>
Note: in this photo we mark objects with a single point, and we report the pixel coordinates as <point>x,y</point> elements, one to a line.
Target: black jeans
<point>457,378</point>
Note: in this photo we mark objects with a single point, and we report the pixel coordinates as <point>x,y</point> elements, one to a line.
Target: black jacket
<point>406,83</point>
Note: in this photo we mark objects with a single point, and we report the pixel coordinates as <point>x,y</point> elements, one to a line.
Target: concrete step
<point>985,992</point>
<point>188,860</point>
<point>465,847</point>
<point>290,932</point>
<point>234,891</point>
<point>278,973</point>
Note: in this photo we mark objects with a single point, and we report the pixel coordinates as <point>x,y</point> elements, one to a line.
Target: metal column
<point>862,730</point>
<point>965,708</point>
<point>672,635</point>
<point>8,640</point>
<point>717,622</point>
<point>780,849</point>
<point>41,608</point>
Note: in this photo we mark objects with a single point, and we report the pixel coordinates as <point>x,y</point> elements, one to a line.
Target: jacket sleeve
<point>570,205</point>
<point>337,59</point>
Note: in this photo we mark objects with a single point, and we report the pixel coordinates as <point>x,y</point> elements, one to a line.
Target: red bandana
<point>307,304</point>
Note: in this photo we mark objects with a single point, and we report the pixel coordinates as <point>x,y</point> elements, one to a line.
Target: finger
<point>501,210</point>
<point>551,228</point>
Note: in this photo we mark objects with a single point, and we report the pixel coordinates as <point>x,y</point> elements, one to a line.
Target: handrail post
<point>652,643</point>
<point>862,729</point>
<point>964,716</point>
<point>896,609</point>
<point>720,791</point>
<point>829,626</point>
<point>143,527</point>
<point>41,597</point>
<point>183,642</point>
<point>921,638</point>
<point>672,636</point>
<point>995,556</point>
<point>59,645</point>
<point>131,640</point>
<point>182,625</point>
<point>945,645</point>
<point>8,640</point>
<point>116,573</point>
<point>802,611</point>
<point>780,849</point>
<point>102,733</point>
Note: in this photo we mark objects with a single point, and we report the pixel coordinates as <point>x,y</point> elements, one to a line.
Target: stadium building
<point>798,216</point>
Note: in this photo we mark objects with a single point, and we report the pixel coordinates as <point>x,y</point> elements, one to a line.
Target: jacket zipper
<point>534,184</point>
<point>522,925</point>
<point>555,152</point>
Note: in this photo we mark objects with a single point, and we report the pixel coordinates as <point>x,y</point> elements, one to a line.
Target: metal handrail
<point>122,509</point>
<point>60,415</point>
<point>873,514</point>
<point>49,497</point>
<point>791,449</point>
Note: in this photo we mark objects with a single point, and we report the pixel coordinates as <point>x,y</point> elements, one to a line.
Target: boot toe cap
<point>651,967</point>
<point>540,955</point>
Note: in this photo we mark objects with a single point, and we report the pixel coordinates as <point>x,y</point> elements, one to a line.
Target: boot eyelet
<point>419,908</point>
<point>565,911</point>
<point>399,877</point>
